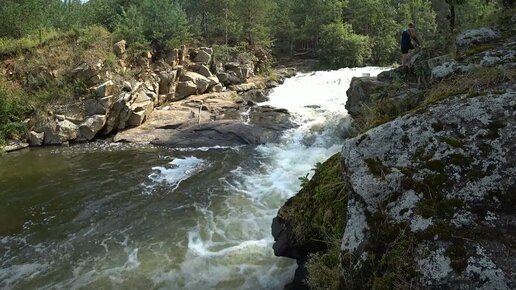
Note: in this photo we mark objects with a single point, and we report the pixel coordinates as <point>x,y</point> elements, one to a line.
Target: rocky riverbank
<point>424,195</point>
<point>183,97</point>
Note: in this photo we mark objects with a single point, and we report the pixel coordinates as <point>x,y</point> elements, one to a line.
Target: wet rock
<point>222,133</point>
<point>364,92</point>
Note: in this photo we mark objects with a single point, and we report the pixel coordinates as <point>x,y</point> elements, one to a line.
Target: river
<point>119,216</point>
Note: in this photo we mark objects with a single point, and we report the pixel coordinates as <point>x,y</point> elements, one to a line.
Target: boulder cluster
<point>118,101</point>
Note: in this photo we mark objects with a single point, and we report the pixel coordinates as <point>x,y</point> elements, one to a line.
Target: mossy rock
<point>318,211</point>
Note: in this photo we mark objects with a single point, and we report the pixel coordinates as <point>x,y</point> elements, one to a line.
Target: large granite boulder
<point>201,82</point>
<point>431,197</point>
<point>98,106</point>
<point>58,132</point>
<point>90,127</point>
<point>185,89</point>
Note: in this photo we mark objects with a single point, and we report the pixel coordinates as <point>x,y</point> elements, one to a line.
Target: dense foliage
<point>285,26</point>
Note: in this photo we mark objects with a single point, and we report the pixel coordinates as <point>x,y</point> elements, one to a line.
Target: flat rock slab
<point>13,145</point>
<point>221,133</point>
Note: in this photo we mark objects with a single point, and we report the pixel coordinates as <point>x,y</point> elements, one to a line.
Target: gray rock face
<point>222,133</point>
<point>98,106</point>
<point>458,155</point>
<point>248,86</point>
<point>477,36</point>
<point>204,71</point>
<point>140,111</point>
<point>202,57</point>
<point>118,115</point>
<point>217,88</point>
<point>105,89</point>
<point>127,86</point>
<point>257,95</point>
<point>166,82</point>
<point>90,127</point>
<point>87,74</point>
<point>202,83</point>
<point>59,132</point>
<point>451,68</point>
<point>185,89</point>
<point>36,139</point>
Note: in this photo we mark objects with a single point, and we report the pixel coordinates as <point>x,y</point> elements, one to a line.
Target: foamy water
<point>144,218</point>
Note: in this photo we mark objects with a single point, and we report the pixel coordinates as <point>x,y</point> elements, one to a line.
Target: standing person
<point>408,35</point>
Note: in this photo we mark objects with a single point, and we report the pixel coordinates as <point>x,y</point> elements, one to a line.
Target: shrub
<point>341,47</point>
<point>12,108</point>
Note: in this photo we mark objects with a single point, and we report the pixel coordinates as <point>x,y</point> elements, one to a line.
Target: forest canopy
<point>339,32</point>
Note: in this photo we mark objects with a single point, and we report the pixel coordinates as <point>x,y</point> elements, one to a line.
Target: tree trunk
<point>451,17</point>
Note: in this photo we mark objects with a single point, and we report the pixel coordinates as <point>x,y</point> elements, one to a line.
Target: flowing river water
<point>115,216</point>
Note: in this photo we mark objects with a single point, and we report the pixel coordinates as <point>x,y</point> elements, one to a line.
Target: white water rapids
<point>237,240</point>
<point>115,218</point>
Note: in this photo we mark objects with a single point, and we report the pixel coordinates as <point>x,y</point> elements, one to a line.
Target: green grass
<point>9,46</point>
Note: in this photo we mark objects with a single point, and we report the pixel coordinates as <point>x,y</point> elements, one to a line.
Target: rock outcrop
<point>442,179</point>
<point>426,189</point>
<point>209,120</point>
<point>110,97</point>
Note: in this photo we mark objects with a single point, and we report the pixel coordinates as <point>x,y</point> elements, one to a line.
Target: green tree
<point>376,19</point>
<point>163,24</point>
<point>341,47</point>
<point>255,18</point>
